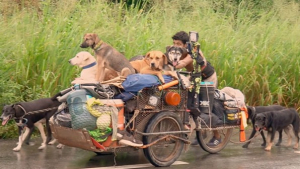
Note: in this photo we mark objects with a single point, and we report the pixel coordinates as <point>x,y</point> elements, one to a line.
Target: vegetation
<point>254,45</point>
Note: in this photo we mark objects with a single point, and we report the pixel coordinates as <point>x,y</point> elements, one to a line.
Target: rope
<point>36,111</point>
<point>257,133</point>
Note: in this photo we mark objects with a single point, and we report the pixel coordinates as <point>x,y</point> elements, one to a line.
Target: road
<point>232,157</point>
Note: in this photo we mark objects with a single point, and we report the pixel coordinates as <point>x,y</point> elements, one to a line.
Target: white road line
<point>137,166</point>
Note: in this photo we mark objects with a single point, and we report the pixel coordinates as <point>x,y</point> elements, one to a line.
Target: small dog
<point>107,57</point>
<point>153,63</point>
<point>273,121</point>
<point>252,112</point>
<point>30,114</point>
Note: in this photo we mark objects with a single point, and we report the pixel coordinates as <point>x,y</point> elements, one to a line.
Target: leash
<point>256,134</point>
<point>30,113</point>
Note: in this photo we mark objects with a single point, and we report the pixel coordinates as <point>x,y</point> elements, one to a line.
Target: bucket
<point>172,98</point>
<point>206,97</point>
<point>81,117</point>
<point>119,104</point>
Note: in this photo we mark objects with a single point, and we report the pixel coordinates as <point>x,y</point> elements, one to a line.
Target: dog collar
<point>90,65</point>
<point>98,45</point>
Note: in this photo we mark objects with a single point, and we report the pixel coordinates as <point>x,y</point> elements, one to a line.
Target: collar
<point>98,45</point>
<point>89,66</point>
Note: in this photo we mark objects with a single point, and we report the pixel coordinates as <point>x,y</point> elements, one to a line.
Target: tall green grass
<point>253,46</point>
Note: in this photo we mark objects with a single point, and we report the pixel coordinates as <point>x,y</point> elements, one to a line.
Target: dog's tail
<point>61,93</point>
<point>251,113</point>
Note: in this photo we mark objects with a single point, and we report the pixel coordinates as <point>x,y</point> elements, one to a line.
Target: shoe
<point>120,134</point>
<point>129,140</point>
<point>195,142</point>
<point>213,142</point>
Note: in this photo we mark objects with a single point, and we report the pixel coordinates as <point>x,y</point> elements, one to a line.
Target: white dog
<point>89,67</point>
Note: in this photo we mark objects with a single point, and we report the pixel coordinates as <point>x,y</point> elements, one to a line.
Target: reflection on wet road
<point>232,157</point>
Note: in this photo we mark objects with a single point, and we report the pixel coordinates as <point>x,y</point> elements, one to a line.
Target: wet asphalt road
<point>232,157</point>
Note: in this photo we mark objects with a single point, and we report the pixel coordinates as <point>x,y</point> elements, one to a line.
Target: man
<point>208,74</point>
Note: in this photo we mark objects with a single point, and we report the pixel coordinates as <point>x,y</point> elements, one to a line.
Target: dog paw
<point>268,149</point>
<point>42,147</point>
<point>263,144</point>
<point>278,144</point>
<point>52,142</point>
<point>16,149</point>
<point>60,146</point>
<point>295,147</point>
<point>245,146</point>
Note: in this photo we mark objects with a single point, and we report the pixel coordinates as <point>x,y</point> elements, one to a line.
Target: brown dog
<point>153,63</point>
<point>107,57</point>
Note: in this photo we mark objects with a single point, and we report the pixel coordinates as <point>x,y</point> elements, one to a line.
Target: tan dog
<point>153,63</point>
<point>107,57</point>
<point>89,68</point>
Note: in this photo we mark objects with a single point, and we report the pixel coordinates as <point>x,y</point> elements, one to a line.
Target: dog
<point>153,64</point>
<point>252,112</point>
<point>273,121</point>
<point>30,114</point>
<point>89,67</point>
<point>107,57</point>
<point>174,54</point>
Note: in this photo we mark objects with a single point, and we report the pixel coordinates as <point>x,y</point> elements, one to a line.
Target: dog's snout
<point>152,64</point>
<point>84,45</point>
<point>70,61</point>
<point>175,59</point>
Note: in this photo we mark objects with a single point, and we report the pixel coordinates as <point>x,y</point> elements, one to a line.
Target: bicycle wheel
<point>165,152</point>
<point>204,136</point>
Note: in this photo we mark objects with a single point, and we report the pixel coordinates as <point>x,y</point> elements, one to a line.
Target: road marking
<point>137,166</point>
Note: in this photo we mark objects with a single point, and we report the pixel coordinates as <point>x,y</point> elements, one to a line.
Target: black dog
<point>252,112</point>
<point>273,121</point>
<point>30,114</point>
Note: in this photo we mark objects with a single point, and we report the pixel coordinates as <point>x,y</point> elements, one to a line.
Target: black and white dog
<point>273,121</point>
<point>252,112</point>
<point>30,114</point>
<point>175,54</point>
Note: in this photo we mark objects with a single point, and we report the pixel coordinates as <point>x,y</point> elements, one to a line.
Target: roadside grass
<point>255,50</point>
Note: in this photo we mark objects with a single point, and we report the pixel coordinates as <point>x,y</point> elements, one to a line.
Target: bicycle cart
<point>157,120</point>
<point>156,123</point>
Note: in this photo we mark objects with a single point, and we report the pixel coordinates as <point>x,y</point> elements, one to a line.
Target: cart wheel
<point>204,136</point>
<point>165,152</point>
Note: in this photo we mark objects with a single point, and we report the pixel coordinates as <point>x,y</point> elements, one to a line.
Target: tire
<point>204,136</point>
<point>165,152</point>
<point>103,153</point>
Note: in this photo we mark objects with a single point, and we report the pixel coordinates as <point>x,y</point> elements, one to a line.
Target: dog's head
<point>8,113</point>
<point>90,40</point>
<point>82,59</point>
<point>156,60</point>
<point>263,120</point>
<point>175,54</point>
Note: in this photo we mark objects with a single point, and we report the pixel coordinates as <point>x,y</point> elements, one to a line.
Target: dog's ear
<point>268,118</point>
<point>165,59</point>
<point>184,53</point>
<point>146,58</point>
<point>168,48</point>
<point>95,37</point>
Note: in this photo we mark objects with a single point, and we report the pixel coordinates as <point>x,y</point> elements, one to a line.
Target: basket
<point>81,118</point>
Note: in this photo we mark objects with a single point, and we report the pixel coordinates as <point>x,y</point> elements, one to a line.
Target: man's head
<point>180,39</point>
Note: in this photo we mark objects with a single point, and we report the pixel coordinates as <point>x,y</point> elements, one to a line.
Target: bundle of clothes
<point>227,107</point>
